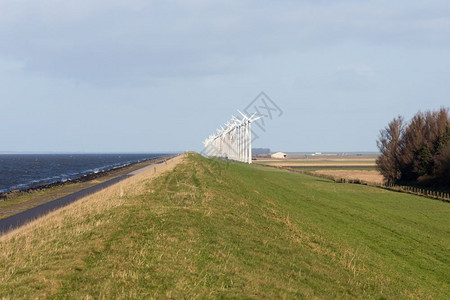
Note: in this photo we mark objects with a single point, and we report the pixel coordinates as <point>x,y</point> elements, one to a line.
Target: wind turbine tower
<point>234,141</point>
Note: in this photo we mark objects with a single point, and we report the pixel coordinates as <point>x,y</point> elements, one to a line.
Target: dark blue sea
<point>24,171</point>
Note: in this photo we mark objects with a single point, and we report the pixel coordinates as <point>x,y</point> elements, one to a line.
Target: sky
<point>154,76</point>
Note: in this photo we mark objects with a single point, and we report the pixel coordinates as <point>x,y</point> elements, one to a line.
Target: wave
<point>71,175</point>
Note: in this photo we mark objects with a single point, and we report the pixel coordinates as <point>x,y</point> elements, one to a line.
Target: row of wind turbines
<point>234,141</point>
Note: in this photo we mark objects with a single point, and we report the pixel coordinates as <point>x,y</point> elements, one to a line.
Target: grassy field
<point>215,229</point>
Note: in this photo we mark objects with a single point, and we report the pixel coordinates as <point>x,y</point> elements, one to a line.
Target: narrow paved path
<point>26,216</point>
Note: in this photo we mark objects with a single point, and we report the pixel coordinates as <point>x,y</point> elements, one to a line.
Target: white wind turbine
<point>248,133</point>
<point>234,141</point>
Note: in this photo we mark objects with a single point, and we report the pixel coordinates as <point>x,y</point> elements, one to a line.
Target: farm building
<point>278,155</point>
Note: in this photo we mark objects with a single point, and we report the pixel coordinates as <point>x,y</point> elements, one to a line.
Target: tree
<point>424,162</point>
<point>390,146</point>
<point>417,152</point>
<point>443,166</point>
<point>443,130</point>
<point>413,142</point>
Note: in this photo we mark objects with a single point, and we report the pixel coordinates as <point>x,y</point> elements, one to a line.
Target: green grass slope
<point>216,229</point>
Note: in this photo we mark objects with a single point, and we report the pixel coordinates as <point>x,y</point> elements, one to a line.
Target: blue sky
<point>126,76</point>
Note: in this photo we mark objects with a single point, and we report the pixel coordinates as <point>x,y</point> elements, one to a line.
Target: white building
<point>278,155</point>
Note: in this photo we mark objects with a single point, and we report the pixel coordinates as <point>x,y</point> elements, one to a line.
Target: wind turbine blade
<point>257,118</point>
<point>242,114</point>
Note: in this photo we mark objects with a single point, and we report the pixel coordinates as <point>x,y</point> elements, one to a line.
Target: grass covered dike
<point>209,228</point>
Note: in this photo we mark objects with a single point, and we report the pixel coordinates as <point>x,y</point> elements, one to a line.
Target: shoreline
<point>7,196</point>
<point>25,216</point>
<point>25,200</point>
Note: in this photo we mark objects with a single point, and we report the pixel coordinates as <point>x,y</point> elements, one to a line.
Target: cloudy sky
<point>142,75</point>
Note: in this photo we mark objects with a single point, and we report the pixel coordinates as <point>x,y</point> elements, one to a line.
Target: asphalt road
<point>24,217</point>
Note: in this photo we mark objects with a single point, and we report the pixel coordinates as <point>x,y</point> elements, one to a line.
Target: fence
<point>439,195</point>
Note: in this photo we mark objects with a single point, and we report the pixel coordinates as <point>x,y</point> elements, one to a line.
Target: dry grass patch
<point>363,175</point>
<point>364,162</point>
<point>39,256</point>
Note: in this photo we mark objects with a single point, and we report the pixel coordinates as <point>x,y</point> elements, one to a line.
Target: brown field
<point>367,176</point>
<point>319,162</point>
<point>322,163</point>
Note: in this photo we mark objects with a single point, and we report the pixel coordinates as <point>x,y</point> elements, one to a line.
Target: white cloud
<point>118,41</point>
<point>151,58</point>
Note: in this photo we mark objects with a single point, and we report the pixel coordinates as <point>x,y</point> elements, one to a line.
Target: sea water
<point>24,171</point>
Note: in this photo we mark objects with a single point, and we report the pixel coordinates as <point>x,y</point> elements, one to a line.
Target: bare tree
<point>413,142</point>
<point>442,171</point>
<point>417,152</point>
<point>442,130</point>
<point>390,146</point>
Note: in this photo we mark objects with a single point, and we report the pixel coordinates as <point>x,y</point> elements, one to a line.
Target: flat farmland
<point>352,167</point>
<point>371,176</point>
<point>351,161</point>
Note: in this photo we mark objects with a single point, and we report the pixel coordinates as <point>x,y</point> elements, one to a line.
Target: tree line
<point>418,151</point>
